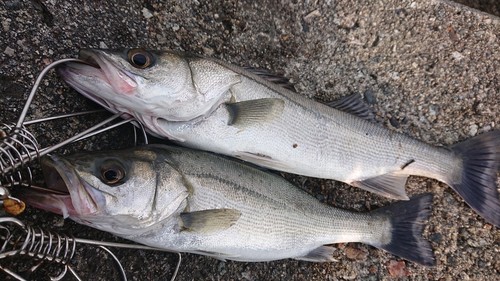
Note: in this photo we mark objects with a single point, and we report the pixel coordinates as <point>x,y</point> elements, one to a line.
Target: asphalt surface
<point>427,68</point>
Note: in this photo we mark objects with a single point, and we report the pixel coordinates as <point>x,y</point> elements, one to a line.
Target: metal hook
<point>177,267</point>
<point>117,262</point>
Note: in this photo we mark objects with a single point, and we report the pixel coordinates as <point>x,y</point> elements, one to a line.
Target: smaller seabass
<point>197,202</point>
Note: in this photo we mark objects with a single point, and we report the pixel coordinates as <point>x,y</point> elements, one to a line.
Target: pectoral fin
<point>388,185</point>
<point>320,254</point>
<point>207,221</point>
<point>254,111</point>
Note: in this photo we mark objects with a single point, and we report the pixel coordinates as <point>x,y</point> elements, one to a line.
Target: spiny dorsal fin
<point>254,111</point>
<point>273,78</point>
<point>207,221</point>
<point>354,105</point>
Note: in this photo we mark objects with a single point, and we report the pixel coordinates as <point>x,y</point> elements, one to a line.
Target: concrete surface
<point>428,69</point>
<point>488,6</point>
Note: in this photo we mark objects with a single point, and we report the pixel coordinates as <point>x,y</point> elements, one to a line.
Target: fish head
<point>126,193</point>
<point>150,84</point>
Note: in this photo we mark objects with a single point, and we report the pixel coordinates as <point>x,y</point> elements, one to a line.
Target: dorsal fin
<point>273,78</point>
<point>354,105</point>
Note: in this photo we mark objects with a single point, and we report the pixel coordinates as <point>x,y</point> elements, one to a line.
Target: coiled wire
<point>17,148</point>
<point>18,239</point>
<point>35,242</point>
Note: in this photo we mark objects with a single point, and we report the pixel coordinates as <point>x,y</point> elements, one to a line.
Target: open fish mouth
<point>66,193</point>
<point>98,74</point>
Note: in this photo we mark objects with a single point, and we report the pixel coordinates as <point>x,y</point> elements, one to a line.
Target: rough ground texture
<point>428,69</point>
<point>488,6</point>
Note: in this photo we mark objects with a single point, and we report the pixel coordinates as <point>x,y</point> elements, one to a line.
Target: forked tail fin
<point>407,224</point>
<point>477,182</point>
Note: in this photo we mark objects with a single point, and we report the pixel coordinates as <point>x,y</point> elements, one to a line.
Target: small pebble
<point>208,51</point>
<point>309,17</point>
<point>350,276</point>
<point>12,5</point>
<point>473,130</point>
<point>370,96</point>
<point>397,269</point>
<point>394,122</point>
<point>436,237</point>
<point>456,55</point>
<point>354,253</point>
<point>147,13</point>
<point>6,25</point>
<point>9,51</point>
<point>222,268</point>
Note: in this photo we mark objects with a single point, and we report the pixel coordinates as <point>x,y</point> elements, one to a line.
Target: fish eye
<point>140,58</point>
<point>112,173</point>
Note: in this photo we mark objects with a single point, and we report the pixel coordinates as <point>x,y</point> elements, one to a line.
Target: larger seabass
<point>207,104</point>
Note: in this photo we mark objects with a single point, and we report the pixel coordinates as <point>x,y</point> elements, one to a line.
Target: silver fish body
<point>207,104</point>
<point>191,201</point>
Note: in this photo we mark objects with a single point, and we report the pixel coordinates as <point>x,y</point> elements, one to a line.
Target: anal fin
<point>388,185</point>
<point>207,221</point>
<point>320,254</point>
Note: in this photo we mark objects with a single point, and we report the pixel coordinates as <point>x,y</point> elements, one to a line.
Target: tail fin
<point>407,224</point>
<point>477,186</point>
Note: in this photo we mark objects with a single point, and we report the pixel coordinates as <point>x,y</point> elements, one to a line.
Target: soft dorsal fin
<point>254,111</point>
<point>354,105</point>
<point>273,78</point>
<point>207,221</point>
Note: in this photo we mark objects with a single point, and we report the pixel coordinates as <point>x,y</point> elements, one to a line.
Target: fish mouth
<point>98,77</point>
<point>66,194</point>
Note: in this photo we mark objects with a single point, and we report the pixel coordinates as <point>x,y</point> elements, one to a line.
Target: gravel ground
<point>428,69</point>
<point>488,6</point>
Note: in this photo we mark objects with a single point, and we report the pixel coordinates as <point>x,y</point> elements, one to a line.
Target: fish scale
<point>269,219</point>
<point>296,207</point>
